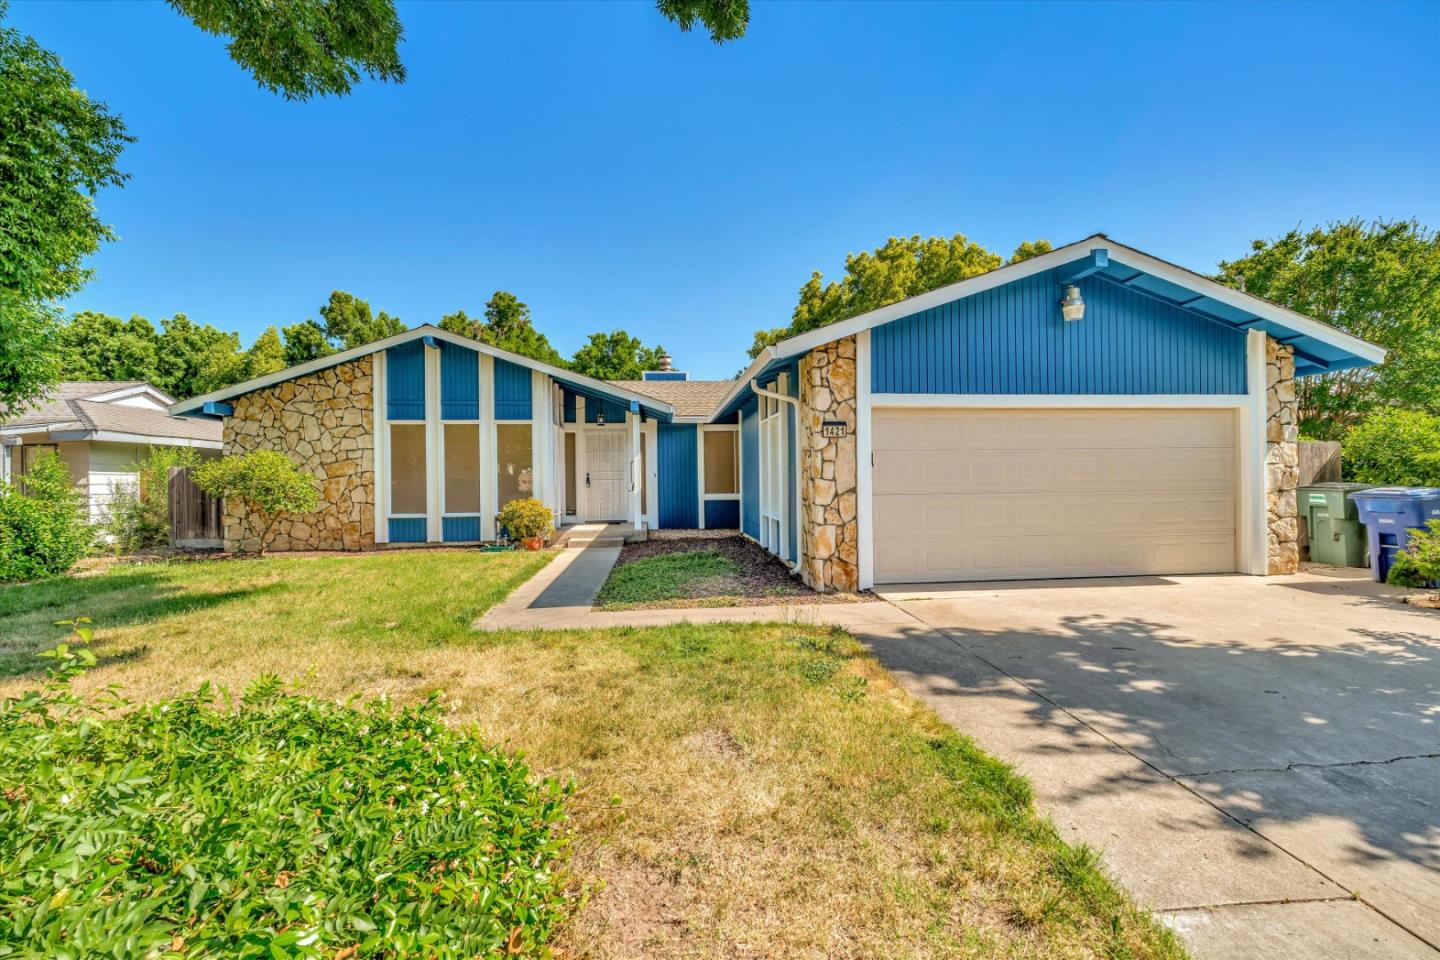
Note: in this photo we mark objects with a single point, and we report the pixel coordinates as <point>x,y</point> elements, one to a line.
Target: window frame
<point>479,472</point>
<point>529,425</point>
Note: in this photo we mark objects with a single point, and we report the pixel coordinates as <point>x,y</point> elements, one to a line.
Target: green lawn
<point>750,791</point>
<point>668,577</point>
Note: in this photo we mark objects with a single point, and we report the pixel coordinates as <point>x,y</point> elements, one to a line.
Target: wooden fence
<point>197,520</point>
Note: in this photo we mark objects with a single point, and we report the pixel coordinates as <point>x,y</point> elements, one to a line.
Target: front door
<point>604,480</point>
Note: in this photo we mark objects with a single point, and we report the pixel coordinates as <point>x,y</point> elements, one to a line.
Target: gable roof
<point>1319,347</point>
<point>88,407</point>
<point>578,382</point>
<point>690,398</point>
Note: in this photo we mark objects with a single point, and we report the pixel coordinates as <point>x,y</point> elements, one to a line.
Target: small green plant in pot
<point>528,521</point>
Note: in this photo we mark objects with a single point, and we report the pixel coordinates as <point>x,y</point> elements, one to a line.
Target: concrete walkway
<point>562,597</point>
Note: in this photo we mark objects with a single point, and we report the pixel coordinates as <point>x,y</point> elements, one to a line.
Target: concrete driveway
<point>1258,759</point>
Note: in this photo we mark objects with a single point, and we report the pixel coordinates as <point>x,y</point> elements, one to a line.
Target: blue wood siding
<point>405,381</point>
<point>459,529</point>
<point>459,382</point>
<point>722,514</point>
<point>750,469</point>
<point>407,529</point>
<point>676,476</point>
<point>569,406</point>
<point>512,391</point>
<point>1012,340</point>
<point>614,411</point>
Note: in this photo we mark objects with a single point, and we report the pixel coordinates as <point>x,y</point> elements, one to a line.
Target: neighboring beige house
<point>101,429</point>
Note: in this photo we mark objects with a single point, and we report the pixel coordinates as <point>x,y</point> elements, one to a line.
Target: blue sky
<point>614,172</point>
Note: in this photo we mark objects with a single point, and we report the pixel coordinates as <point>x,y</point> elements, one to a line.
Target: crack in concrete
<point>1252,903</point>
<point>941,631</point>
<point>1301,765</point>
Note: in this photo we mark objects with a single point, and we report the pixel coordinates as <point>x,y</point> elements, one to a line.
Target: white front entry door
<point>603,481</point>
<point>1026,494</point>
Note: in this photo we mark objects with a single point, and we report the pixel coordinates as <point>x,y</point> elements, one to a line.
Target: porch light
<point>1073,306</point>
<point>600,419</point>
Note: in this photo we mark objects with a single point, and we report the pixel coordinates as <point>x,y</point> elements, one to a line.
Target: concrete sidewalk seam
<point>1252,903</point>
<point>940,631</point>
<point>1302,765</point>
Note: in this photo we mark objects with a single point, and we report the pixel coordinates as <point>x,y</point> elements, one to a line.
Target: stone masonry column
<point>830,534</point>
<point>1282,464</point>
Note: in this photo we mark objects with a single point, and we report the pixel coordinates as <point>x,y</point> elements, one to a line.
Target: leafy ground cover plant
<point>278,827</point>
<point>139,514</point>
<point>43,529</point>
<point>1418,565</point>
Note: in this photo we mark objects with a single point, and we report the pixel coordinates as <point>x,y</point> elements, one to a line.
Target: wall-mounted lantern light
<point>1073,306</point>
<point>600,419</point>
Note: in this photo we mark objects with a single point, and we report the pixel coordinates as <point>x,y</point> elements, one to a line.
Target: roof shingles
<point>690,398</point>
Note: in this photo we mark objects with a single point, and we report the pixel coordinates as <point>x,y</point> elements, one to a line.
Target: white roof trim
<point>805,342</point>
<point>424,330</point>
<point>742,385</point>
<point>150,440</point>
<point>131,391</point>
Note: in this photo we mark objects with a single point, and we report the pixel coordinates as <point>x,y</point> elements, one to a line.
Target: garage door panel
<point>965,494</point>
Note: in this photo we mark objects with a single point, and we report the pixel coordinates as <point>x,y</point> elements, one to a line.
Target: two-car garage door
<point>983,494</point>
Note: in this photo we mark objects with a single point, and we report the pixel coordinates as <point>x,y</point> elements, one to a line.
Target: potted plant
<point>528,521</point>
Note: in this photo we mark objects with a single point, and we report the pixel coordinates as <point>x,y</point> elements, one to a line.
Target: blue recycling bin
<point>1389,514</point>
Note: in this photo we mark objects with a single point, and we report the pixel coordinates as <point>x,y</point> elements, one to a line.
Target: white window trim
<point>704,497</point>
<point>495,440</point>
<point>381,443</point>
<point>445,510</point>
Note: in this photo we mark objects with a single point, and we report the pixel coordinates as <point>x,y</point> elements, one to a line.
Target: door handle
<point>587,478</point>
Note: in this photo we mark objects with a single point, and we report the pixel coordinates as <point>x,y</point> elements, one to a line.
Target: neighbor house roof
<point>81,410</point>
<point>1319,347</point>
<point>690,398</point>
<point>579,383</point>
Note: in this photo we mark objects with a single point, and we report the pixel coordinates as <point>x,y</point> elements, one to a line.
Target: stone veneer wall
<point>829,531</point>
<point>1282,463</point>
<point>323,421</point>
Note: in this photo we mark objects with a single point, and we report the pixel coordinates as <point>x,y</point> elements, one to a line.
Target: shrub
<point>1394,447</point>
<point>1418,565</point>
<point>527,518</point>
<point>140,518</point>
<point>43,528</point>
<point>265,482</point>
<point>289,827</point>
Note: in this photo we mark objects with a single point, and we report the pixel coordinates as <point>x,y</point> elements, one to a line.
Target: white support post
<point>636,507</point>
<point>864,463</point>
<point>380,442</point>
<point>489,466</point>
<point>434,454</point>
<point>542,451</point>
<point>782,464</point>
<point>1254,532</point>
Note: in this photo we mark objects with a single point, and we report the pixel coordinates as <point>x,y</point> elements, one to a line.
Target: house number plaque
<point>834,428</point>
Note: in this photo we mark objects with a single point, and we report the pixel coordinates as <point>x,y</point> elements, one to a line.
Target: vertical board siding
<point>614,411</point>
<point>676,470</point>
<point>407,529</point>
<point>722,514</point>
<point>459,529</point>
<point>512,391</point>
<point>1012,340</point>
<point>792,429</point>
<point>405,381</point>
<point>750,469</point>
<point>459,382</point>
<point>570,406</point>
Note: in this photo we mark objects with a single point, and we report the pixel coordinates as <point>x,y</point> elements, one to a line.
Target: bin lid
<point>1337,485</point>
<point>1402,493</point>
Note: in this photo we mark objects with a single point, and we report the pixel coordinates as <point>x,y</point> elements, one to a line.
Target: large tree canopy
<point>58,148</point>
<point>615,356</point>
<point>725,19</point>
<point>902,267</point>
<point>349,321</point>
<point>301,48</point>
<point>1379,281</point>
<point>507,326</point>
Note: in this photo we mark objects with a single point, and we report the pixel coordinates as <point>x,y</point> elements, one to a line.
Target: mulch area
<point>762,576</point>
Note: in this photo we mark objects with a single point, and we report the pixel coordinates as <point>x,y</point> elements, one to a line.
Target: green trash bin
<point>1336,534</point>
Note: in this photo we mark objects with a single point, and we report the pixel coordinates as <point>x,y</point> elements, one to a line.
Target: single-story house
<point>101,429</point>
<point>1093,411</point>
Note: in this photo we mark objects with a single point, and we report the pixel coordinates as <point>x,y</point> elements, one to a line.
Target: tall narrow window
<point>512,446</point>
<point>722,461</point>
<point>462,468</point>
<point>407,468</point>
<point>570,474</point>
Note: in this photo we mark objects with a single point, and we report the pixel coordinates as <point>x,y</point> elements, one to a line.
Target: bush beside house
<point>43,527</point>
<point>1394,447</point>
<point>139,516</point>
<point>266,483</point>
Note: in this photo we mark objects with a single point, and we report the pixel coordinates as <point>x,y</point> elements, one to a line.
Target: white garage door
<point>1024,494</point>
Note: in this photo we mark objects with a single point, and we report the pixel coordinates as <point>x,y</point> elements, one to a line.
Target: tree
<point>349,321</point>
<point>43,526</point>
<point>725,19</point>
<point>301,48</point>
<point>266,483</point>
<point>97,346</point>
<point>902,267</point>
<point>462,323</point>
<point>1379,281</point>
<point>1394,447</point>
<point>615,356</point>
<point>507,326</point>
<point>58,149</point>
<point>195,358</point>
<point>266,355</point>
<point>305,341</point>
